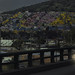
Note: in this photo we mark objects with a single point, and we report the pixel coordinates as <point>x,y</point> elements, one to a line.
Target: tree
<point>66,20</point>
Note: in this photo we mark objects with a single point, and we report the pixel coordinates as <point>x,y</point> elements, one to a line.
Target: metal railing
<point>29,59</point>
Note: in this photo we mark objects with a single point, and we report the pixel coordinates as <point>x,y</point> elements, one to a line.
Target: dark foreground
<point>68,70</point>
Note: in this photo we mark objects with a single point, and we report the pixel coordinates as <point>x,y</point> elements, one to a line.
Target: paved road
<point>69,70</point>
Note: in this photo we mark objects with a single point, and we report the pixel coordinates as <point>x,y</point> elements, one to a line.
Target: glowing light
<point>73,56</point>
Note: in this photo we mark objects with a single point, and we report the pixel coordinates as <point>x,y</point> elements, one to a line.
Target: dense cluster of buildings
<point>28,20</point>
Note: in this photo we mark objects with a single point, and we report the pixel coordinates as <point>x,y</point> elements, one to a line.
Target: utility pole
<point>0,37</point>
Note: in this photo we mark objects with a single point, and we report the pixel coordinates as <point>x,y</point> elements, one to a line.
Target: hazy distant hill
<point>52,5</point>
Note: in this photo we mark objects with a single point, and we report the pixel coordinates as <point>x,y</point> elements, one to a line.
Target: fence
<point>29,54</point>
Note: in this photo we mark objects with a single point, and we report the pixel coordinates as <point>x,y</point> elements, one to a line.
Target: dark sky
<point>6,5</point>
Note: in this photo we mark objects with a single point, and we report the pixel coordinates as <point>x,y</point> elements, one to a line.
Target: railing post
<point>41,57</point>
<point>0,64</point>
<point>16,63</point>
<point>69,54</point>
<point>29,59</point>
<point>52,56</point>
<point>61,55</point>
